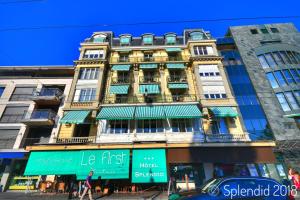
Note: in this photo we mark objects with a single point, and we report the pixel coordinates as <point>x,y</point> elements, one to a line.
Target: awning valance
<point>182,111</point>
<point>178,85</point>
<point>150,112</point>
<point>75,117</point>
<point>116,113</point>
<point>148,66</point>
<point>149,89</point>
<point>121,67</point>
<point>223,111</point>
<point>118,89</point>
<point>175,66</point>
<point>173,49</point>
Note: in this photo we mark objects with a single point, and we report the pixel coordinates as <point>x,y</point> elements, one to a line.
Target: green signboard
<point>107,164</point>
<point>149,166</point>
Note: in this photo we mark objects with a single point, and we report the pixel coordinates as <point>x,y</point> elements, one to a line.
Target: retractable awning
<point>116,113</point>
<point>150,112</point>
<point>148,66</point>
<point>178,85</point>
<point>182,111</point>
<point>121,67</point>
<point>175,66</point>
<point>223,111</point>
<point>149,89</point>
<point>173,49</point>
<point>118,89</point>
<point>75,117</point>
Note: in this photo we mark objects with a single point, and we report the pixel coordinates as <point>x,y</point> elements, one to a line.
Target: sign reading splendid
<point>149,166</point>
<point>108,164</point>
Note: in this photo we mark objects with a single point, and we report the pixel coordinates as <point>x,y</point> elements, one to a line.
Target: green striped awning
<point>292,115</point>
<point>75,117</point>
<point>151,89</point>
<point>116,113</point>
<point>121,67</point>
<point>178,85</point>
<point>173,49</point>
<point>148,66</point>
<point>150,112</point>
<point>223,111</point>
<point>118,89</point>
<point>175,66</point>
<point>182,111</point>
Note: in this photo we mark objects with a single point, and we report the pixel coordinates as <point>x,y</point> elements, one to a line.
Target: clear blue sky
<point>60,46</point>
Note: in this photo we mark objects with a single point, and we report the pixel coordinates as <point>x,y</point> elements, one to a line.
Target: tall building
<point>144,109</point>
<point>31,103</point>
<point>263,65</point>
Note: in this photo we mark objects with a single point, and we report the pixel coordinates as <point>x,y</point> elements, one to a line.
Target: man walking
<point>88,186</point>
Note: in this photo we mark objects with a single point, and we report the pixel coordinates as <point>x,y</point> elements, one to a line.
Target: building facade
<point>31,104</point>
<point>262,63</point>
<point>143,110</point>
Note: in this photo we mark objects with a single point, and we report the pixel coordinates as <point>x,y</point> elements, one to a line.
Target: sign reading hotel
<point>149,166</point>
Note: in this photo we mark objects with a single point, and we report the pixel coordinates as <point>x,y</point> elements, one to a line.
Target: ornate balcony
<point>76,140</point>
<point>177,79</point>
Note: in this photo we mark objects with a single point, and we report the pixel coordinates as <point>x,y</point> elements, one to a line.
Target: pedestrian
<point>88,186</point>
<point>291,174</point>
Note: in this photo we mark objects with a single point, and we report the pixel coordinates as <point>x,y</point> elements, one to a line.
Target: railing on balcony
<point>120,80</point>
<point>148,59</point>
<point>154,98</point>
<point>76,140</point>
<point>174,58</point>
<point>34,141</point>
<point>40,114</point>
<point>123,59</point>
<point>47,92</point>
<point>227,138</point>
<point>177,79</point>
<point>150,79</point>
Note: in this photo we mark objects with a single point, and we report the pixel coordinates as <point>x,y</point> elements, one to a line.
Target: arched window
<point>148,39</point>
<point>99,38</point>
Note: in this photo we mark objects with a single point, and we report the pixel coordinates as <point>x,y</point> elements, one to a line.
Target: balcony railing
<point>40,114</point>
<point>76,140</point>
<point>177,79</point>
<point>120,80</point>
<point>227,138</point>
<point>34,141</point>
<point>124,59</point>
<point>48,92</point>
<point>148,59</point>
<point>154,99</point>
<point>150,79</point>
<point>173,58</point>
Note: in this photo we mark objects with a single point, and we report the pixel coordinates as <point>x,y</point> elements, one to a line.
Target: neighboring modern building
<point>263,66</point>
<point>32,98</point>
<point>144,109</point>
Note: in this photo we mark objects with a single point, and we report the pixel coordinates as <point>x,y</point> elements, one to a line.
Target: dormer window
<point>170,39</point>
<point>125,40</point>
<point>99,38</point>
<point>148,39</point>
<point>196,36</point>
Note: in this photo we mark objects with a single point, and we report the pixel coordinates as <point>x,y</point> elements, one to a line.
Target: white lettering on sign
<point>149,174</point>
<point>107,157</point>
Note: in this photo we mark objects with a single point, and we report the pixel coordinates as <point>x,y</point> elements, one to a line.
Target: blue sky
<point>60,46</point>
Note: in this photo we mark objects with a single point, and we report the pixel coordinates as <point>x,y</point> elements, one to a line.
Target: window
<point>125,41</point>
<point>182,125</point>
<point>280,78</point>
<point>118,126</point>
<point>208,70</point>
<point>292,57</point>
<point>297,55</point>
<point>148,57</point>
<point>277,57</point>
<point>8,138</point>
<point>22,93</point>
<point>254,31</point>
<point>13,114</point>
<point>295,75</point>
<point>85,95</point>
<point>214,92</point>
<point>285,57</point>
<point>288,76</point>
<point>170,39</point>
<point>270,59</point>
<point>203,50</point>
<point>264,31</point>
<point>99,38</point>
<point>1,90</point>
<point>219,126</point>
<point>282,100</point>
<point>263,61</point>
<point>196,36</point>
<point>124,57</point>
<point>150,126</point>
<point>274,30</point>
<point>272,80</point>
<point>297,93</point>
<point>148,40</point>
<point>93,54</point>
<point>89,73</point>
<point>291,99</point>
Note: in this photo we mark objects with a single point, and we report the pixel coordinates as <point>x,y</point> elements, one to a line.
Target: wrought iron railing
<point>177,79</point>
<point>120,80</point>
<point>150,79</point>
<point>227,137</point>
<point>76,140</point>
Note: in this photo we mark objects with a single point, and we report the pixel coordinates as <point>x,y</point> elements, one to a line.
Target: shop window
<point>150,126</point>
<point>118,126</point>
